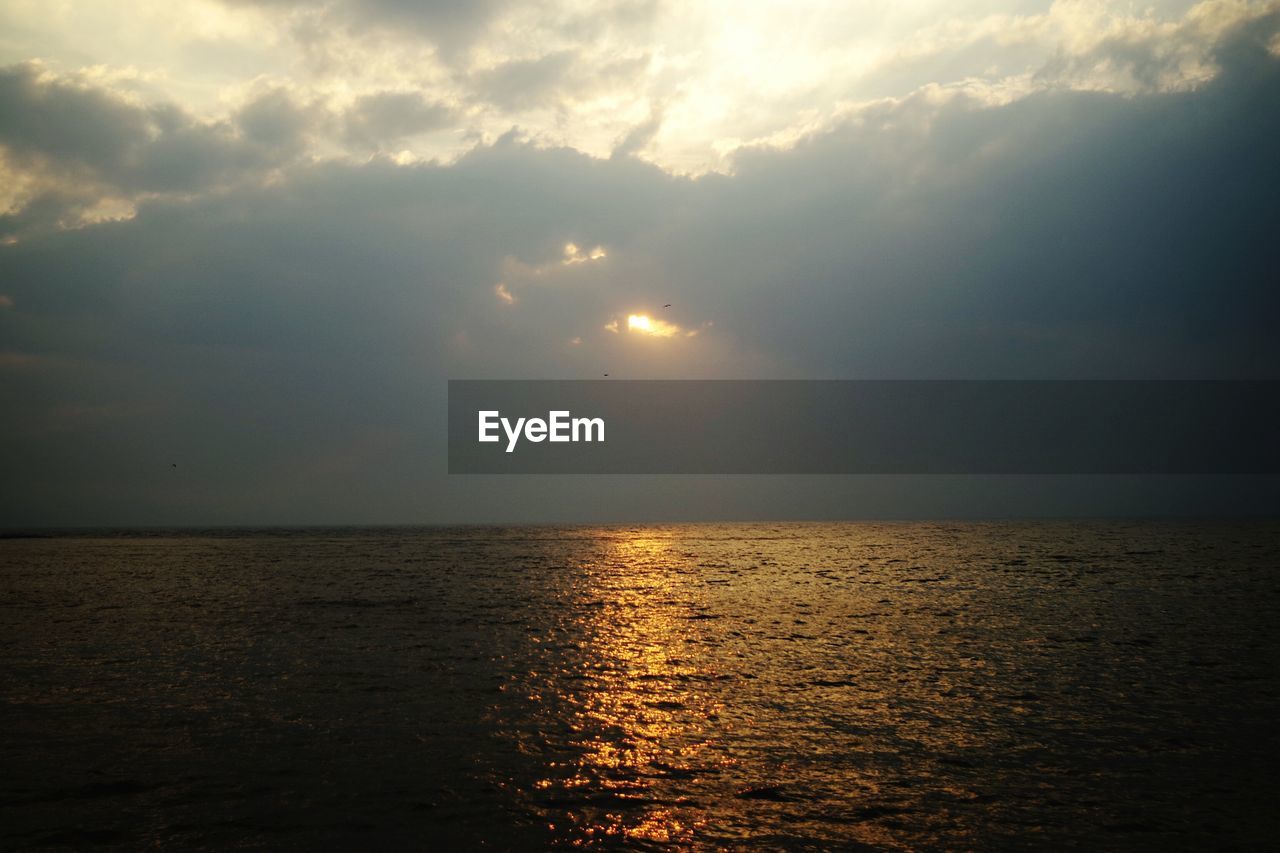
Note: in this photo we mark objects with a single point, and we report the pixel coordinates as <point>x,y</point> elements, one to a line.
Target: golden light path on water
<point>649,697</point>
<point>656,735</point>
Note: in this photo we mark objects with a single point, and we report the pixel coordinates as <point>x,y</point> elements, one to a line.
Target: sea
<point>1100,685</point>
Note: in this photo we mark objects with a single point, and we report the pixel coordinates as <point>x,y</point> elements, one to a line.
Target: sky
<point>255,238</point>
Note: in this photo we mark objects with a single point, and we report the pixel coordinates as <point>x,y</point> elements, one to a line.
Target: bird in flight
<point>668,305</point>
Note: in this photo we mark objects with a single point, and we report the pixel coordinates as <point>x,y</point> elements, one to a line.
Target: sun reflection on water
<point>642,718</point>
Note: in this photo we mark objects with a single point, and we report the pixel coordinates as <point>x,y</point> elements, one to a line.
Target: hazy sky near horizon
<point>256,237</point>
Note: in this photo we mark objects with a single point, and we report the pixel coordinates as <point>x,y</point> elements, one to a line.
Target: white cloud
<point>683,85</point>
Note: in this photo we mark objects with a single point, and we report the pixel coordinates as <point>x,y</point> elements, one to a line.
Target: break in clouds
<point>272,295</point>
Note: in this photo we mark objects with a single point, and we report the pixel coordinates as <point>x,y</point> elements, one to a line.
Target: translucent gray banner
<point>863,427</point>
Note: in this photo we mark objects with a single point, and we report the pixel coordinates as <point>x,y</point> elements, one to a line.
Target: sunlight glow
<point>574,255</point>
<point>650,326</point>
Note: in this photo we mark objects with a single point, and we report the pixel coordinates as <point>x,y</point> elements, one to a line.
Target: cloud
<point>387,118</point>
<point>48,119</point>
<point>596,74</point>
<point>450,26</point>
<point>639,136</point>
<point>524,83</point>
<point>274,122</point>
<point>77,149</point>
<point>655,327</point>
<point>267,331</point>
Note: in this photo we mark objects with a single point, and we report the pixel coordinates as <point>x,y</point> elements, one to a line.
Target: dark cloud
<point>451,26</point>
<point>524,83</point>
<point>49,209</point>
<point>80,144</point>
<point>639,136</point>
<point>1142,58</point>
<point>274,122</point>
<point>42,119</point>
<point>288,344</point>
<point>1066,233</point>
<point>386,118</point>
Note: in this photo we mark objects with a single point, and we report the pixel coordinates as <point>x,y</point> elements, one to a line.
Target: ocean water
<point>1106,685</point>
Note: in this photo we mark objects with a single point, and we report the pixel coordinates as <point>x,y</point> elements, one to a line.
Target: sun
<point>643,324</point>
